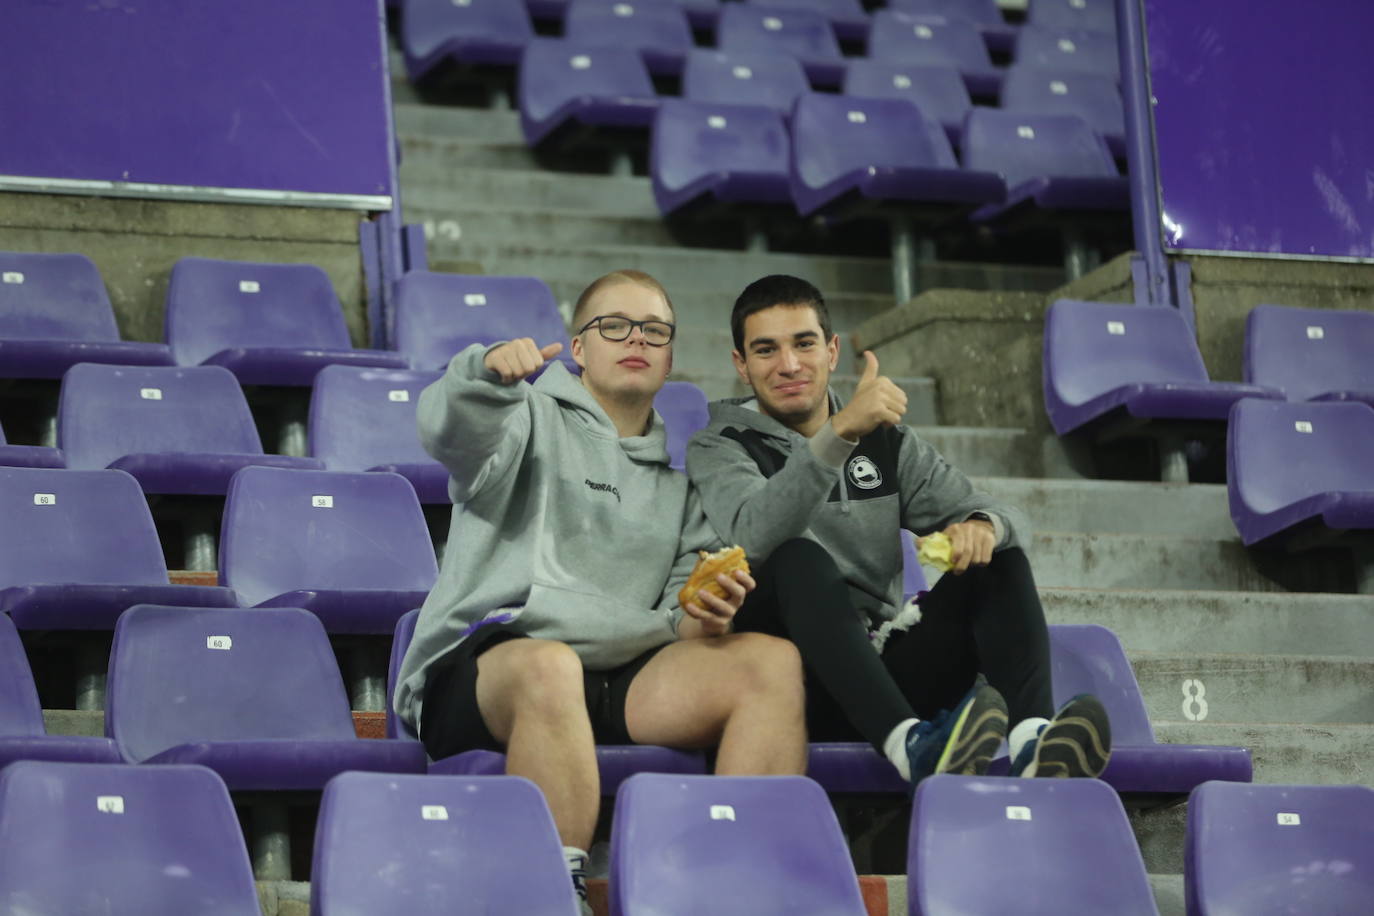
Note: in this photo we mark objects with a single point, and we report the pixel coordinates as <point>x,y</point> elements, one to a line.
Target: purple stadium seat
<point>768,78</point>
<point>29,456</point>
<point>78,547</point>
<point>269,324</point>
<point>1086,15</point>
<point>352,548</point>
<point>54,313</point>
<point>999,34</point>
<point>682,406</point>
<point>437,315</point>
<point>700,13</point>
<point>1270,850</point>
<point>913,577</point>
<point>176,430</point>
<point>1102,358</point>
<point>1092,96</point>
<point>935,41</point>
<point>1292,467</point>
<point>878,150</point>
<point>847,17</point>
<point>657,30</point>
<point>764,844</point>
<point>1084,659</point>
<point>1060,846</point>
<point>566,84</point>
<point>1068,49</point>
<point>255,695</point>
<point>615,762</point>
<point>938,91</point>
<point>1049,162</point>
<point>84,839</point>
<point>477,32</point>
<point>805,34</point>
<point>1311,354</point>
<point>364,420</point>
<point>705,154</point>
<point>416,844</point>
<point>22,733</point>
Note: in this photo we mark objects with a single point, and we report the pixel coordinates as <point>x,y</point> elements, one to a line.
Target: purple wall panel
<point>1265,143</point>
<point>244,94</point>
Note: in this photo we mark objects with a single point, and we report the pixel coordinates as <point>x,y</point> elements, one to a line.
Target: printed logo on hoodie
<point>603,488</point>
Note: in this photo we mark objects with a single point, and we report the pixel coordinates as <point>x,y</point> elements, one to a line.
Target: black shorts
<point>450,721</point>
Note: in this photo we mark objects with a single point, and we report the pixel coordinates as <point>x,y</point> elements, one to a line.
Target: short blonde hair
<point>611,279</point>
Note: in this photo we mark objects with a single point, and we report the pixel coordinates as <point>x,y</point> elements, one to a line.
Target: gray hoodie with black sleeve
<point>761,484</point>
<point>561,528</point>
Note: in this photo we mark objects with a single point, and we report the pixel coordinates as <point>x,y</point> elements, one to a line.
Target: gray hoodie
<point>762,484</point>
<point>561,528</point>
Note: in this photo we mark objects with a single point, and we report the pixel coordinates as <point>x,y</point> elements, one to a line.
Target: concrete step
<point>1117,507</point>
<point>1002,451</point>
<point>517,189</point>
<point>465,153</point>
<point>1170,894</point>
<point>1156,562</point>
<point>468,125</point>
<point>1221,621</point>
<point>1230,688</point>
<point>672,267</point>
<point>491,225</point>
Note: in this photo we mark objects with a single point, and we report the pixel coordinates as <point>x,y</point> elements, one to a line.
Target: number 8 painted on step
<point>1194,700</point>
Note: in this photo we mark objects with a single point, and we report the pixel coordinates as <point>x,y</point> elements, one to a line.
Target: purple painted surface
<point>1262,147</point>
<point>253,94</point>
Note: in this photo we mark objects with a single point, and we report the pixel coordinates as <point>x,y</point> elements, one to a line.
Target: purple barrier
<point>254,100</point>
<point>1264,146</point>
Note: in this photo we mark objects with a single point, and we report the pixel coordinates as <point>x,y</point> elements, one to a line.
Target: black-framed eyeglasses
<point>617,327</point>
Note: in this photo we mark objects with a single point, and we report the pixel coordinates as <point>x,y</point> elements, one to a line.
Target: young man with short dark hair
<point>818,493</point>
<point>554,623</point>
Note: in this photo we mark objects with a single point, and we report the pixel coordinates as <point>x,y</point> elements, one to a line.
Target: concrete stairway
<point>1288,674</point>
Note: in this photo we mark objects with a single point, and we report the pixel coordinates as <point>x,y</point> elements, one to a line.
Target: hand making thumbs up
<point>519,359</point>
<point>877,402</point>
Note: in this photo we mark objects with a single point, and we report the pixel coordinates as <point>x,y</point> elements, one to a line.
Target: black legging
<point>989,619</point>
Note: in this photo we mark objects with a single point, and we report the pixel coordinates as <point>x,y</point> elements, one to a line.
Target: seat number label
<point>722,812</point>
<point>1315,332</point>
<point>322,502</point>
<point>1018,813</point>
<point>1286,819</point>
<point>433,812</point>
<point>399,396</point>
<point>1116,328</point>
<point>219,642</point>
<point>13,276</point>
<point>109,804</point>
<point>249,286</point>
<point>1302,426</point>
<point>150,394</point>
<point>45,499</point>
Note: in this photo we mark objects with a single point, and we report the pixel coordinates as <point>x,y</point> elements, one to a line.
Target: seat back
<point>772,79</point>
<point>88,527</point>
<point>364,418</point>
<point>84,838</point>
<point>1279,849</point>
<point>1086,658</point>
<point>107,412</point>
<point>833,136</point>
<point>20,714</point>
<point>981,12</point>
<point>1094,97</point>
<point>553,73</point>
<point>1065,844</point>
<point>927,40</point>
<point>834,10</point>
<point>645,25</point>
<point>937,90</point>
<point>1086,15</point>
<point>53,297</point>
<point>913,576</point>
<point>682,406</point>
<point>693,141</point>
<point>287,530</point>
<point>1309,352</point>
<point>1280,452</point>
<point>437,315</point>
<point>1094,347</point>
<point>805,34</point>
<point>414,844</point>
<point>400,642</point>
<point>1068,49</point>
<point>217,305</point>
<point>1021,147</point>
<point>771,845</point>
<point>180,675</point>
<point>481,28</point>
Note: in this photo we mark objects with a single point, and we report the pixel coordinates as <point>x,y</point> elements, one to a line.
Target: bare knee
<point>543,676</point>
<point>767,664</point>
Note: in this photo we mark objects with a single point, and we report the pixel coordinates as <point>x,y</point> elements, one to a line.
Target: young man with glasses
<point>553,625</point>
<point>818,492</point>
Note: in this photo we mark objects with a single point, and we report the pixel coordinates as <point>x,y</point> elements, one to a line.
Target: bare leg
<point>742,691</point>
<point>530,695</point>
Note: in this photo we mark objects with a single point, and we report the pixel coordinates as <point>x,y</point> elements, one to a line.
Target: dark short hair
<point>778,289</point>
<point>613,278</point>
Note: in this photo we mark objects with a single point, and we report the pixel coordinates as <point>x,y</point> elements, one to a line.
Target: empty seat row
<point>137,836</point>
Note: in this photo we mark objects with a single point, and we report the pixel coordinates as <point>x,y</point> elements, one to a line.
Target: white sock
<point>894,748</point>
<point>1024,731</point>
<point>576,858</point>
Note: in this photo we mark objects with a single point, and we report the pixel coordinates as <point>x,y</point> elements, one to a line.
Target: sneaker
<point>963,741</point>
<point>1076,742</point>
